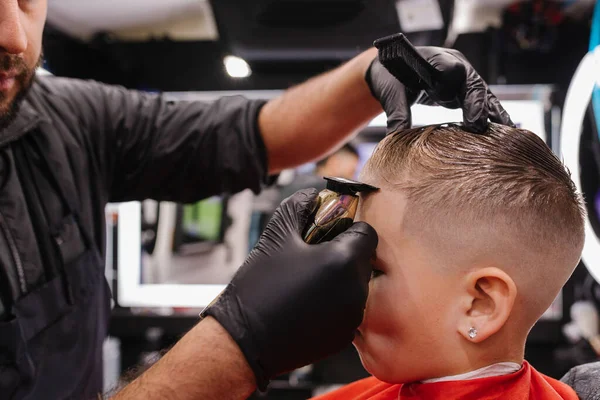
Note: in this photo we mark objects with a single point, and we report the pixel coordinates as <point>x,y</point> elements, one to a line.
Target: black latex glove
<point>462,88</point>
<point>292,303</point>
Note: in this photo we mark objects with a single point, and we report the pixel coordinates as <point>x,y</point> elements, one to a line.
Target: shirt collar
<point>26,120</point>
<point>502,368</point>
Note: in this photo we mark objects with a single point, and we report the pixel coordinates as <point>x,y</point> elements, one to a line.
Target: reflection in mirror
<point>185,243</point>
<point>166,254</point>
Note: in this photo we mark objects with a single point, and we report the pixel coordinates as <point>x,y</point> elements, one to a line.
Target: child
<point>477,234</point>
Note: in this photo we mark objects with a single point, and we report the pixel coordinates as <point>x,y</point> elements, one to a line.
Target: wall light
<point>576,103</point>
<point>237,67</point>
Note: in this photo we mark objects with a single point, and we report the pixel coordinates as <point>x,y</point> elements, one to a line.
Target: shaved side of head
<point>501,198</point>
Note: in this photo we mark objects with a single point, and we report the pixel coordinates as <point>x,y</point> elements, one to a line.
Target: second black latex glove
<point>461,87</point>
<point>291,303</point>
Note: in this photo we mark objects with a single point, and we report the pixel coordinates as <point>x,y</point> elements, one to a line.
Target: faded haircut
<point>504,183</point>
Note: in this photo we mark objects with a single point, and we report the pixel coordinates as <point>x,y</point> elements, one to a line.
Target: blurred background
<point>166,261</point>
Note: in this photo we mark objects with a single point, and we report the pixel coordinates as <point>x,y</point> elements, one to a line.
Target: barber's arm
<point>289,305</point>
<point>310,119</point>
<point>205,364</point>
<point>182,151</point>
<point>147,147</point>
<point>460,86</point>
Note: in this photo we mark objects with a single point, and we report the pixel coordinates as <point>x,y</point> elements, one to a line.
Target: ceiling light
<point>237,67</point>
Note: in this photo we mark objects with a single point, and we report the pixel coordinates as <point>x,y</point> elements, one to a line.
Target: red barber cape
<point>525,384</point>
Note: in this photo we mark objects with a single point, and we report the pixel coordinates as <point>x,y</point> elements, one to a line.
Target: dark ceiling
<point>287,41</point>
<point>284,41</point>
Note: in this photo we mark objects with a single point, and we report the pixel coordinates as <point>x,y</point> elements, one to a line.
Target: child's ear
<point>488,301</point>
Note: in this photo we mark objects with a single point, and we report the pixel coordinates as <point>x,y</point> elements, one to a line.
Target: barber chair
<point>585,380</point>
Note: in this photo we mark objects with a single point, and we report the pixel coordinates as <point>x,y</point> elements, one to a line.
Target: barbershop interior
<point>166,261</point>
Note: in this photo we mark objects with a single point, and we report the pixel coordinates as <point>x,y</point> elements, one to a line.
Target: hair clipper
<point>335,209</point>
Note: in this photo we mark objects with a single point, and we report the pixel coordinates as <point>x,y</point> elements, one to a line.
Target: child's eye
<point>376,273</point>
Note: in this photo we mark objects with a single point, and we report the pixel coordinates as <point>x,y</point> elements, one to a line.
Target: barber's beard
<point>23,81</point>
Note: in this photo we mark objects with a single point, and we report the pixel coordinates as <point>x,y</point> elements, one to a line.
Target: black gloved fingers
<point>304,203</point>
<point>294,211</point>
<point>361,238</point>
<point>369,78</point>
<point>392,96</point>
<point>471,93</point>
<point>413,95</point>
<point>497,113</point>
<point>286,224</point>
<point>424,99</point>
<point>359,242</point>
<point>453,76</point>
<point>397,118</point>
<point>475,110</point>
<point>292,303</point>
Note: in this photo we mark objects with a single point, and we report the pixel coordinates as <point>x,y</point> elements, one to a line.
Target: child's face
<point>409,328</point>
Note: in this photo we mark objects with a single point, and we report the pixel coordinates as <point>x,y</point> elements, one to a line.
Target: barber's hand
<point>462,87</point>
<point>292,303</point>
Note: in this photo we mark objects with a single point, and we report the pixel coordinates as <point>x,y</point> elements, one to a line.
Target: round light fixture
<point>237,67</point>
<point>578,98</point>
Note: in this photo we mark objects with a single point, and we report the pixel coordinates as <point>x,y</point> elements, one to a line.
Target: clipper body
<point>335,210</point>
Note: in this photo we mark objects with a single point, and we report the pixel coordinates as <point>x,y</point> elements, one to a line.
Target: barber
<point>67,147</point>
<point>291,303</point>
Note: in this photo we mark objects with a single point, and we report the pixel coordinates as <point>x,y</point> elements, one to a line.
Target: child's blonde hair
<point>504,190</point>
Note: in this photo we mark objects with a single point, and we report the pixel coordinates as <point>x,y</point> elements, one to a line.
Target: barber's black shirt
<point>75,146</point>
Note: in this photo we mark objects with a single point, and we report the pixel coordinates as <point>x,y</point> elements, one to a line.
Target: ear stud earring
<point>472,333</point>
